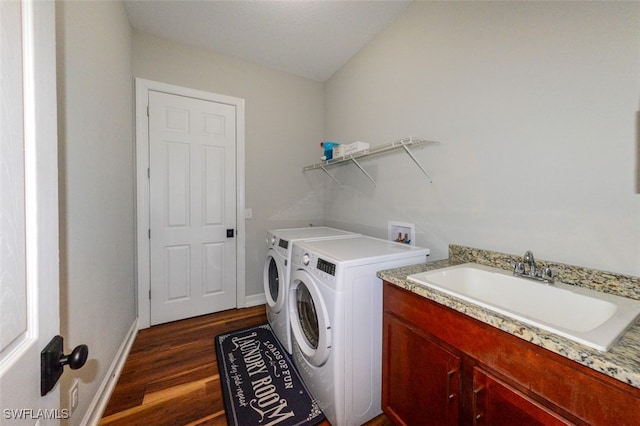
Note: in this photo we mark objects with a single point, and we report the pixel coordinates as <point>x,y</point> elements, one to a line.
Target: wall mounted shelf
<point>380,149</point>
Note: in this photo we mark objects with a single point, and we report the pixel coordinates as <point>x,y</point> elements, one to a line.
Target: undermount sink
<point>586,316</point>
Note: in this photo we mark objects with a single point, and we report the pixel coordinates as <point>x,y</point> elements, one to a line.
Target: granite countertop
<point>621,362</point>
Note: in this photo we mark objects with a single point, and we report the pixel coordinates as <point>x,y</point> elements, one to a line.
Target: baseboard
<point>101,399</point>
<point>255,300</point>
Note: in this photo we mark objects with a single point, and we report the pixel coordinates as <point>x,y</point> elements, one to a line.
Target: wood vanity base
<point>443,367</point>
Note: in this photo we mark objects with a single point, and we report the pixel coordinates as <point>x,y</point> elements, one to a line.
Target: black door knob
<point>76,358</point>
<point>53,360</point>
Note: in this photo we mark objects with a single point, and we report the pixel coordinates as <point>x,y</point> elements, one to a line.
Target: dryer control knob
<point>306,259</point>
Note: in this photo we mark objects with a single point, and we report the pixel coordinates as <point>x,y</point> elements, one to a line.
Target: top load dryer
<point>277,269</point>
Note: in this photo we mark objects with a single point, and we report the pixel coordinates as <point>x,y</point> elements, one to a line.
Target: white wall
<point>284,126</point>
<point>534,104</point>
<point>95,100</point>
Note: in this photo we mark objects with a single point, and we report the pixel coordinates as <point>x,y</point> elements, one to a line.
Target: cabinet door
<point>420,379</point>
<point>496,403</point>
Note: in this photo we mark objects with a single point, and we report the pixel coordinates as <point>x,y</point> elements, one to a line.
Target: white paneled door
<point>29,274</point>
<point>192,178</point>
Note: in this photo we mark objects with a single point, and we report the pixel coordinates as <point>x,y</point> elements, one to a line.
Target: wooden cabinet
<point>423,385</point>
<point>441,367</point>
<point>496,403</point>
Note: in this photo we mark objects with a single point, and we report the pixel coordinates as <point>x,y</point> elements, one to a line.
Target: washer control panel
<point>328,267</point>
<point>282,247</point>
<point>313,264</point>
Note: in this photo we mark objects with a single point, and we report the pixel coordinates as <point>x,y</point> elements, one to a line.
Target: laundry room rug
<point>260,384</point>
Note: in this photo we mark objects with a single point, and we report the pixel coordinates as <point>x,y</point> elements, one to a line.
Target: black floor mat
<point>260,384</point>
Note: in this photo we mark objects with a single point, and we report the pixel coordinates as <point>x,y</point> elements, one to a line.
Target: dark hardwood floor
<point>171,375</point>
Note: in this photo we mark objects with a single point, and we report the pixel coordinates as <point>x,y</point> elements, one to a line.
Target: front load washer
<point>277,270</point>
<point>335,305</point>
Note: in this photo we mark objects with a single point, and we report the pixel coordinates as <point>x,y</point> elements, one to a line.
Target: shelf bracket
<point>415,160</point>
<point>331,176</point>
<point>363,170</point>
<point>391,146</point>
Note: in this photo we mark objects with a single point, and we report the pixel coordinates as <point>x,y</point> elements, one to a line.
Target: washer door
<point>309,318</point>
<point>274,282</point>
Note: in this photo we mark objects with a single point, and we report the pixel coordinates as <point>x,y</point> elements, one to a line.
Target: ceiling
<point>309,38</point>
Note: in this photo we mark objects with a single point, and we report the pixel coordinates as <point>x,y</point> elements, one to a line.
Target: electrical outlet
<point>74,398</point>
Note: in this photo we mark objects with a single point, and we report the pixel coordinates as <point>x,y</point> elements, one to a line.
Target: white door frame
<point>143,87</point>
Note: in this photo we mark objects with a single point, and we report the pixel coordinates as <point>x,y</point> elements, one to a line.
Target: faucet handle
<point>547,274</point>
<point>518,267</point>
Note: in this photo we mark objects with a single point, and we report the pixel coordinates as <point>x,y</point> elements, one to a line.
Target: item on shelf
<point>328,149</point>
<point>348,149</point>
<point>391,146</point>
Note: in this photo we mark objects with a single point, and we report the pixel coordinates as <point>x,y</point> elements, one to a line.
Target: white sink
<point>589,317</point>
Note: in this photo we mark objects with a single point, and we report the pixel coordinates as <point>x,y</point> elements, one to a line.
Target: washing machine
<point>276,273</point>
<point>335,306</point>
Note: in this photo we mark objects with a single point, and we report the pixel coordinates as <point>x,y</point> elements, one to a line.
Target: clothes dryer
<point>277,270</point>
<point>335,305</point>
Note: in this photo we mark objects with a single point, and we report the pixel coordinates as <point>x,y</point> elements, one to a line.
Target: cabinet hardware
<point>450,395</point>
<point>476,415</point>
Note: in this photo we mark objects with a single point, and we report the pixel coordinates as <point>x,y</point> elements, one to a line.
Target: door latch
<point>53,360</point>
<point>230,233</point>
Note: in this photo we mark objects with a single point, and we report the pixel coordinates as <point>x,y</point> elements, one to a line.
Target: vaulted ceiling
<point>309,38</point>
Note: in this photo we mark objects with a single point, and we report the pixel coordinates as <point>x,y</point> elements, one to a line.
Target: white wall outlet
<point>248,213</point>
<point>74,398</point>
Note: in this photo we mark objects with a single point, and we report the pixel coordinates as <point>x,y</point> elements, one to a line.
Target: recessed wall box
<point>401,232</point>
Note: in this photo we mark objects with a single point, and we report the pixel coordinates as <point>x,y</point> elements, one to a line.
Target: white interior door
<point>29,308</point>
<point>192,148</point>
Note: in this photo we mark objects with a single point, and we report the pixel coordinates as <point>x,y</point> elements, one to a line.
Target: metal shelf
<point>381,149</point>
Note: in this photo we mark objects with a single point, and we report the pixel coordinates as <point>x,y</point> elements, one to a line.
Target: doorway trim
<point>142,88</point>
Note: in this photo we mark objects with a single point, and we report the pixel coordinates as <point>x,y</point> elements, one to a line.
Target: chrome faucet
<point>531,261</point>
<point>520,269</point>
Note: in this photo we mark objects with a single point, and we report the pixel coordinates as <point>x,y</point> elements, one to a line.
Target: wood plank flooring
<point>171,375</point>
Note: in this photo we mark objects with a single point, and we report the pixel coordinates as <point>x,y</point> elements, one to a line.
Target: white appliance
<point>277,269</point>
<point>335,304</point>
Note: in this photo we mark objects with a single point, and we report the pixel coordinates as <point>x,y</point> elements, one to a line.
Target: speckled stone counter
<point>621,362</point>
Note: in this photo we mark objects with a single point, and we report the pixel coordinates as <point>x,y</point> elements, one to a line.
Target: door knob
<point>76,358</point>
<point>53,360</point>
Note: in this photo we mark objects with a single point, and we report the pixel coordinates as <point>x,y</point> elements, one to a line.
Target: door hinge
<point>149,294</point>
<point>149,233</point>
<point>148,172</point>
<point>147,110</point>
